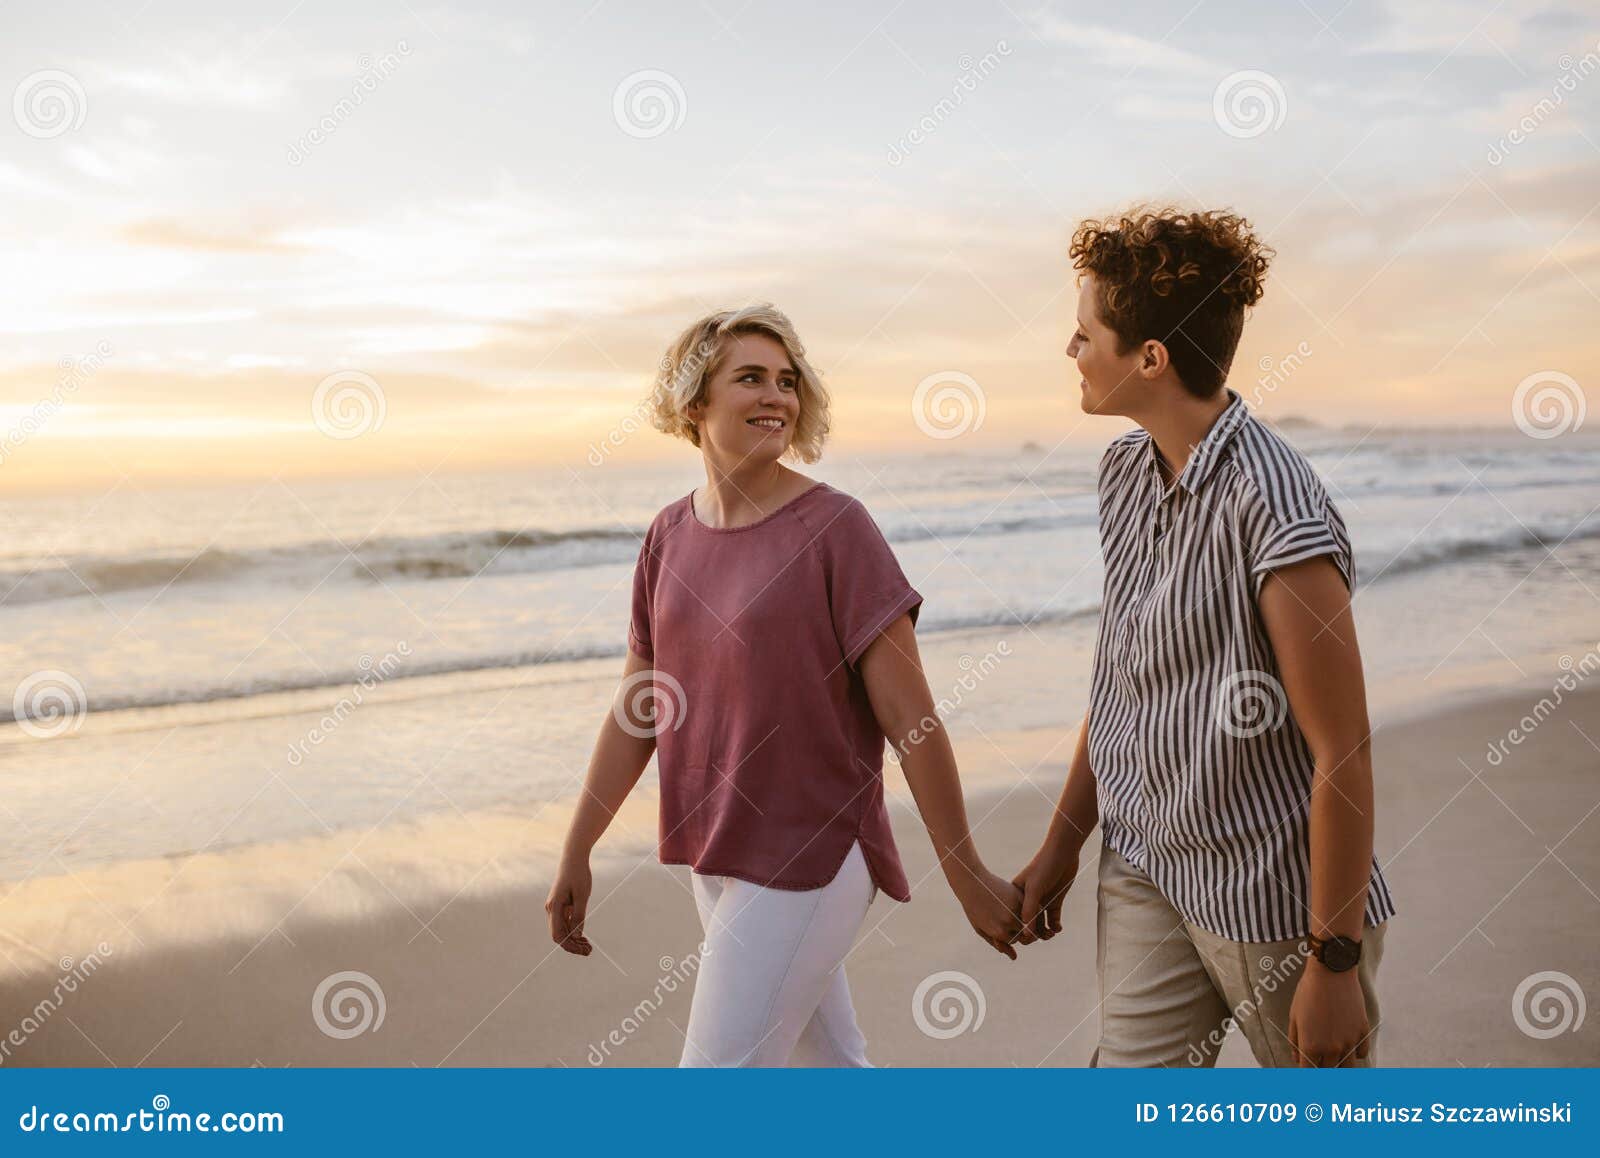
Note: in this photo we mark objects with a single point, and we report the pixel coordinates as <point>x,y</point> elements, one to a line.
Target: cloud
<point>171,233</point>
<point>1119,50</point>
<point>1438,27</point>
<point>210,76</point>
<point>26,183</point>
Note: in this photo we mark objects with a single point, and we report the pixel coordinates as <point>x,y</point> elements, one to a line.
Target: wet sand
<point>1495,869</point>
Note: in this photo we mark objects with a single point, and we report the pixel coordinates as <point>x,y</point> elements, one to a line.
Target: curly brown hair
<point>1182,278</point>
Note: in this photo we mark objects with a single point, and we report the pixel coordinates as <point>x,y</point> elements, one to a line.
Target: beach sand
<point>1495,869</point>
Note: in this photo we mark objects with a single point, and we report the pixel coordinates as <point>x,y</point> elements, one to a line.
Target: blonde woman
<point>773,623</point>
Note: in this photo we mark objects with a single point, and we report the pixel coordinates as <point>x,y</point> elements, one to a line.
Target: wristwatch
<point>1336,953</point>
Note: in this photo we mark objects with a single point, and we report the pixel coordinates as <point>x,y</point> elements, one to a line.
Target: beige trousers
<point>1170,990</point>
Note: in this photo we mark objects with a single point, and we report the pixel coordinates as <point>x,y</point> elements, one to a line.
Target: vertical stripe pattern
<point>1204,780</point>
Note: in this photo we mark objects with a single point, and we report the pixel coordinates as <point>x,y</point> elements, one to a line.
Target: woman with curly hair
<point>771,652</point>
<point>1225,753</point>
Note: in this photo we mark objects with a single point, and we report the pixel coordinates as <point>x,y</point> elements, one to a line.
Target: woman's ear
<point>694,412</point>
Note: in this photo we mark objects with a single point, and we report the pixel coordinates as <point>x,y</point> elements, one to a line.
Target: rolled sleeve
<point>639,634</point>
<point>867,590</point>
<point>1286,542</point>
<point>877,617</point>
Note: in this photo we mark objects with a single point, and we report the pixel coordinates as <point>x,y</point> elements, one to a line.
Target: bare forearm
<point>1078,810</point>
<point>903,705</point>
<point>1307,614</point>
<point>618,761</point>
<point>1341,842</point>
<point>929,765</point>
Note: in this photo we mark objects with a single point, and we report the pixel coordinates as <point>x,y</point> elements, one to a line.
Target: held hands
<point>1026,908</point>
<point>1044,883</point>
<point>567,905</point>
<point>993,906</point>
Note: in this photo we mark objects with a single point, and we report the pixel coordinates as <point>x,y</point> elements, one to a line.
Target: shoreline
<point>227,974</point>
<point>427,685</point>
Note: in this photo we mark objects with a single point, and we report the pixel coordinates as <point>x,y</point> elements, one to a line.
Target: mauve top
<point>770,757</point>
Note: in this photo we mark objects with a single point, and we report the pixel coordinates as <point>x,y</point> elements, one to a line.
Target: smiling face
<point>1111,382</point>
<point>751,403</point>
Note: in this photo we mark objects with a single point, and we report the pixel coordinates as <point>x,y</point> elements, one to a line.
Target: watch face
<point>1340,953</point>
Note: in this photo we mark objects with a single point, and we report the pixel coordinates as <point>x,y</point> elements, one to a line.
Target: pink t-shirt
<point>770,757</point>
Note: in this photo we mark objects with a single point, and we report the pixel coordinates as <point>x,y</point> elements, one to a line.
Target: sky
<point>255,239</point>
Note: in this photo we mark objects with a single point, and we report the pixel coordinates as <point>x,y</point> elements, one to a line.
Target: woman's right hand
<point>567,904</point>
<point>993,906</point>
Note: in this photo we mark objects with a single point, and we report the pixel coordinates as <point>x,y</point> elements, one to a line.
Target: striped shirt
<point>1204,780</point>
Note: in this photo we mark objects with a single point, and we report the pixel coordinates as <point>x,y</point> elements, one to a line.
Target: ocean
<point>253,664</point>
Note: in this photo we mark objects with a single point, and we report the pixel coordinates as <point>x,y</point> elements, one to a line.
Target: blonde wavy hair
<point>694,357</point>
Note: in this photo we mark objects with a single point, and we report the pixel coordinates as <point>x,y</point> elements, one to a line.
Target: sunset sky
<point>528,201</point>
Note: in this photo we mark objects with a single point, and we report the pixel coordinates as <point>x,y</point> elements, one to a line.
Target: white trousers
<point>771,987</point>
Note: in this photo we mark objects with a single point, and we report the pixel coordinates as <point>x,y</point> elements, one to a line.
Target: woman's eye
<point>787,384</point>
<point>1080,336</point>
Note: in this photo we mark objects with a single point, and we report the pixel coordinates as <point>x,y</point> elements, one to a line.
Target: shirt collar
<point>1204,458</point>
